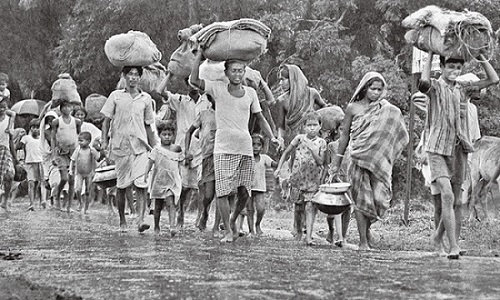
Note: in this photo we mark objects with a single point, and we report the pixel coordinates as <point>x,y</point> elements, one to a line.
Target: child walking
<point>166,182</point>
<point>65,130</point>
<point>448,142</point>
<point>205,122</point>
<point>257,202</point>
<point>33,160</point>
<point>305,176</point>
<point>83,165</point>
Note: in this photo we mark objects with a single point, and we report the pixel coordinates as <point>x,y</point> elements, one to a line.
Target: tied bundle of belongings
<point>244,39</point>
<point>64,89</point>
<point>94,103</point>
<point>133,48</point>
<point>214,70</point>
<point>462,35</point>
<point>152,76</point>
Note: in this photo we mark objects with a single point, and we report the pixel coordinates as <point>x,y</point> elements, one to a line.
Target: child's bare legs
<point>159,204</point>
<point>171,214</point>
<point>208,196</point>
<point>31,192</point>
<point>86,197</point>
<point>310,216</point>
<point>259,201</point>
<point>250,215</point>
<point>338,225</point>
<point>447,217</point>
<point>141,195</point>
<point>297,216</point>
<point>130,200</point>
<point>120,204</point>
<point>329,222</point>
<point>185,195</point>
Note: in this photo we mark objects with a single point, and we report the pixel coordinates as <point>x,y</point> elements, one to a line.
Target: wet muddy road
<point>86,257</point>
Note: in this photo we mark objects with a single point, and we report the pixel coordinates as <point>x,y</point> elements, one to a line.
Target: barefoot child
<point>166,182</point>
<point>65,130</point>
<point>83,165</point>
<point>33,160</point>
<point>448,141</point>
<point>258,201</point>
<point>376,133</point>
<point>306,172</point>
<point>205,122</point>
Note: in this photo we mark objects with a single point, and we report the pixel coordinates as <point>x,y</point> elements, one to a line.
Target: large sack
<point>64,89</point>
<point>151,77</point>
<point>244,39</point>
<point>451,34</point>
<point>331,117</point>
<point>133,48</point>
<point>94,103</point>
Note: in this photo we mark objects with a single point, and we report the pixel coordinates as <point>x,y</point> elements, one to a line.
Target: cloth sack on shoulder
<point>133,48</point>
<point>244,39</point>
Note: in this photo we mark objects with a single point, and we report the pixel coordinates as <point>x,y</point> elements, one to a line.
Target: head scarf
<point>368,76</point>
<point>300,101</point>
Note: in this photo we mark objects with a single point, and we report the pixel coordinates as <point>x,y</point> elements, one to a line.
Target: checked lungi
<point>231,172</point>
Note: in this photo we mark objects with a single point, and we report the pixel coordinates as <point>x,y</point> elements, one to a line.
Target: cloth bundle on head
<point>453,34</point>
<point>133,48</point>
<point>244,39</point>
<point>64,89</point>
<point>152,76</point>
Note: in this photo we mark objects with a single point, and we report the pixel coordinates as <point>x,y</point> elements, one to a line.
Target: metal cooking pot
<point>332,198</point>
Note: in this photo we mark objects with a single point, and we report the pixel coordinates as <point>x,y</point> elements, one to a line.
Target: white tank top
<point>66,135</point>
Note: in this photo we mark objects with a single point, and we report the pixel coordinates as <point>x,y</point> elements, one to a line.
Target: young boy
<point>83,165</point>
<point>448,142</point>
<point>4,91</point>
<point>33,161</point>
<point>65,130</point>
<point>205,122</point>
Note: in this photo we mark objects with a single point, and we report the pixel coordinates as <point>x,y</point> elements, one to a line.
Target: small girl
<point>306,172</point>
<point>166,182</point>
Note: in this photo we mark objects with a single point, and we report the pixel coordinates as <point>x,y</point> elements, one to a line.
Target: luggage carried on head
<point>133,48</point>
<point>452,34</point>
<point>244,39</point>
<point>64,89</point>
<point>94,103</point>
<point>214,70</point>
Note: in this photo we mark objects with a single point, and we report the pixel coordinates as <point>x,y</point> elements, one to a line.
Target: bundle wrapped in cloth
<point>151,77</point>
<point>94,103</point>
<point>64,89</point>
<point>452,34</point>
<point>244,39</point>
<point>133,48</point>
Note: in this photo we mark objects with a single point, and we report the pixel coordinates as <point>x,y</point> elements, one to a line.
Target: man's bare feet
<point>298,237</point>
<point>173,232</point>
<point>157,231</point>
<point>228,238</point>
<point>329,237</point>
<point>123,227</point>
<point>217,234</point>
<point>310,243</point>
<point>438,246</point>
<point>364,247</point>
<point>258,230</point>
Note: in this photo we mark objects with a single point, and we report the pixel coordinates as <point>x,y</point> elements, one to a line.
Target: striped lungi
<point>231,172</point>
